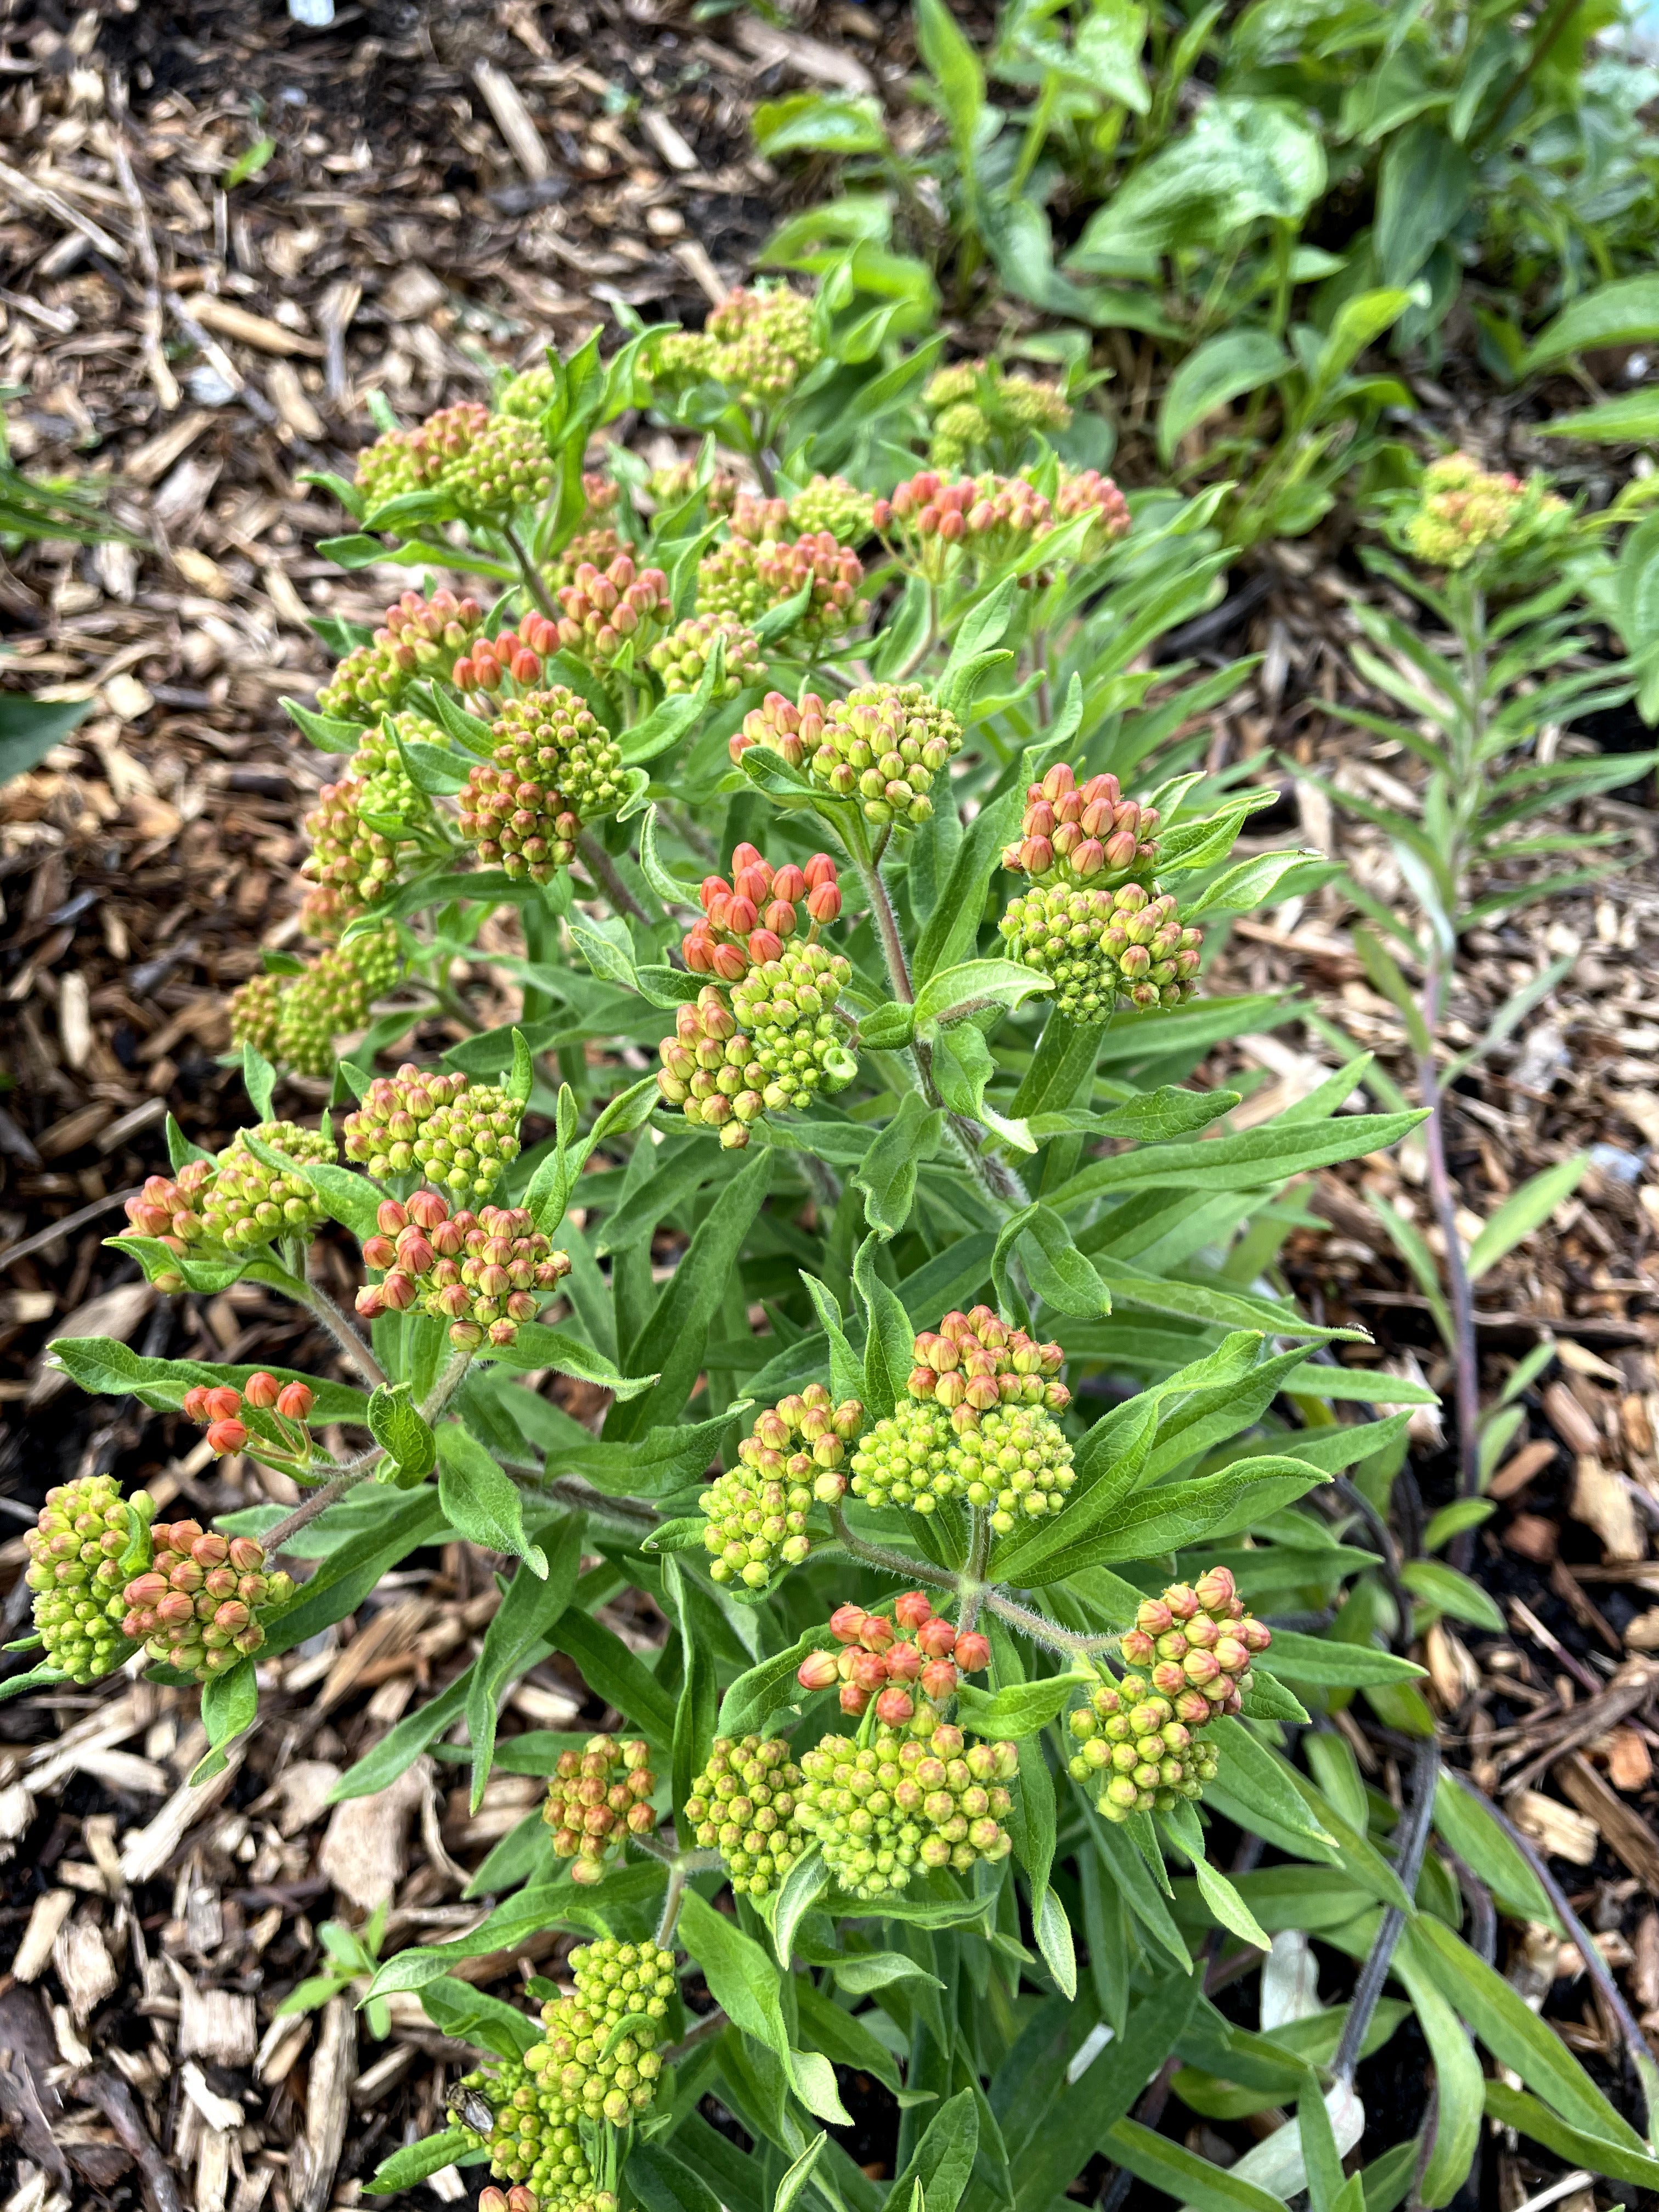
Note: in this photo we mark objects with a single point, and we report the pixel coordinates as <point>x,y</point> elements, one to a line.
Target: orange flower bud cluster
<point>742,578</point>
<point>196,1605</point>
<point>880,747</point>
<point>1196,1642</point>
<point>1087,492</point>
<point>169,1206</point>
<point>976,1361</point>
<point>750,919</point>
<point>479,1272</point>
<point>510,662</point>
<point>596,1797</point>
<point>759,1511</point>
<point>922,1657</point>
<point>418,638</point>
<point>756,517</point>
<point>1085,835</point>
<point>602,608</point>
<point>936,524</point>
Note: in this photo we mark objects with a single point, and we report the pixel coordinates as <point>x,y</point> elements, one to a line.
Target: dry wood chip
<point>212,2170</point>
<point>85,1970</point>
<point>1603,1503</point>
<point>1563,1833</point>
<point>147,1850</point>
<point>328,2106</point>
<point>301,1792</point>
<point>1626,1833</point>
<point>809,57</point>
<point>217,2025</point>
<point>279,2047</point>
<point>230,321</point>
<point>1643,1633</point>
<point>51,1909</point>
<point>513,119</point>
<point>1516,1472</point>
<point>363,1852</point>
<point>410,293</point>
<point>668,141</point>
<point>220,2112</point>
<point>1571,1422</point>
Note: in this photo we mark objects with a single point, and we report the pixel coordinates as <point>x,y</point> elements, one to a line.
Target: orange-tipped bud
<point>912,1607</point>
<point>894,1707</point>
<point>846,1623</point>
<point>294,1401</point>
<point>971,1651</point>
<point>225,1437</point>
<point>936,1637</point>
<point>939,1679</point>
<point>223,1403</point>
<point>817,1671</point>
<point>261,1390</point>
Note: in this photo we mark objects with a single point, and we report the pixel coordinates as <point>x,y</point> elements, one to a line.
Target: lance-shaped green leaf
<point>681,711</point>
<point>1524,1210</point>
<point>480,1501</point>
<point>887,1171</point>
<point>1058,1275</point>
<point>1018,1709</point>
<point>744,1982</point>
<point>417,2161</point>
<point>525,1616</point>
<point>326,732</point>
<point>402,1434</point>
<point>977,987</point>
<point>1255,1159</point>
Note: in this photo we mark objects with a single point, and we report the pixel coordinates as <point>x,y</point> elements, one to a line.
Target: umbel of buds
<point>758,343</point>
<point>84,1531</point>
<point>387,469</point>
<point>709,1070</point>
<point>597,1796</point>
<point>907,1800</point>
<point>281,1438</point>
<point>1136,1752</point>
<point>912,1665</point>
<point>880,747</point>
<point>351,863</point>
<point>1101,949</point>
<point>939,524</point>
<point>833,505</point>
<point>506,466</point>
<point>196,1606</point>
<point>750,920</point>
<point>1198,1640</point>
<point>479,1272</point>
<point>576,2075</point>
<point>758,1511</point>
<point>428,1122</point>
<point>973,401</point>
<point>1087,836</point>
<point>419,638</point>
<point>246,1203</point>
<point>552,768</point>
<point>977,1425</point>
<point>332,999</point>
<point>602,609</point>
<point>742,1805</point>
<point>680,657</point>
<point>1088,492</point>
<point>169,1207</point>
<point>509,663</point>
<point>1464,510</point>
<point>377,765</point>
<point>742,579</point>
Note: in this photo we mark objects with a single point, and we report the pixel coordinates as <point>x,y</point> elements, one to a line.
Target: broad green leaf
<point>1624,313</point>
<point>1219,371</point>
<point>416,2161</point>
<point>1257,1159</point>
<point>744,1982</point>
<point>1018,1709</point>
<point>1466,1825</point>
<point>1448,1591</point>
<point>1182,2174</point>
<point>480,1502</point>
<point>1328,1663</point>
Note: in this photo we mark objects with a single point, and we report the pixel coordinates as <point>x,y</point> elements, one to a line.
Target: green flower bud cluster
<point>615,1982</point>
<point>881,746</point>
<point>976,403</point>
<point>246,1203</point>
<point>1135,1752</point>
<point>742,578</point>
<point>921,1799</point>
<point>506,466</point>
<point>742,1806</point>
<point>709,1070</point>
<point>1463,510</point>
<point>680,358</point>
<point>904,1459</point>
<point>680,657</point>
<point>447,436</point>
<point>763,343</point>
<point>387,469</point>
<point>351,862</point>
<point>332,999</point>
<point>1101,949</point>
<point>196,1605</point>
<point>597,549</point>
<point>378,766</point>
<point>792,1459</point>
<point>83,1532</point>
<point>597,1797</point>
<point>534,2137</point>
<point>256,1013</point>
<point>786,1004</point>
<point>671,486</point>
<point>552,768</point>
<point>832,506</point>
<point>430,1123</point>
<point>1015,1465</point>
<point>527,396</point>
<point>418,638</point>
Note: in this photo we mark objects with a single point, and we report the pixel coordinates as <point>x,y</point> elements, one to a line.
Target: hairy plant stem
<point>606,874</point>
<point>359,1470</point>
<point>979,1551</point>
<point>970,1590</point>
<point>317,1301</point>
<point>533,582</point>
<point>1412,1839</point>
<point>1466,1365</point>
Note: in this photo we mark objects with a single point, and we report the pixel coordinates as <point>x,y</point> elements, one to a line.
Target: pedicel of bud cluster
<point>429,1122</point>
<point>196,1605</point>
<point>552,768</point>
<point>880,748</point>
<point>923,1800</point>
<point>480,1272</point>
<point>742,1805</point>
<point>418,638</point>
<point>82,1534</point>
<point>1086,835</point>
<point>831,505</point>
<point>907,1668</point>
<point>244,1203</point>
<point>759,1510</point>
<point>977,1425</point>
<point>680,657</point>
<point>280,1439</point>
<point>597,1798</point>
<point>332,999</point>
<point>1101,949</point>
<point>742,579</point>
<point>602,609</point>
<point>506,466</point>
